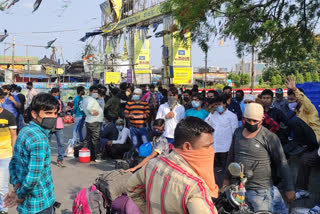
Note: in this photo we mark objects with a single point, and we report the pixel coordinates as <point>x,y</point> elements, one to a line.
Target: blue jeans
<point>77,129</point>
<point>259,200</point>
<point>170,140</point>
<point>61,148</point>
<point>138,137</point>
<point>49,210</point>
<point>20,122</point>
<point>4,180</point>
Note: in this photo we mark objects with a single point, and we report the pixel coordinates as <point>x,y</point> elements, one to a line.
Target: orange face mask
<point>201,161</point>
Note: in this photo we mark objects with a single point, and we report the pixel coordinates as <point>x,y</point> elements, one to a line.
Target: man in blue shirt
<point>11,102</point>
<point>79,114</point>
<point>196,110</point>
<point>30,166</point>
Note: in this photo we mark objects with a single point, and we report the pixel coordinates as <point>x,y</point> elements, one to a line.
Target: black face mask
<point>48,123</point>
<point>239,99</point>
<point>186,99</point>
<point>251,128</point>
<point>157,133</point>
<point>210,100</point>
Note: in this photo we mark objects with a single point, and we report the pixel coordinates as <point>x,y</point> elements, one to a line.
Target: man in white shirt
<point>117,148</point>
<point>31,93</point>
<point>224,123</point>
<point>94,118</point>
<point>172,112</point>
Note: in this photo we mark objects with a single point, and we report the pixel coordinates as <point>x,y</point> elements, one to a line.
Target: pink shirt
<point>33,92</point>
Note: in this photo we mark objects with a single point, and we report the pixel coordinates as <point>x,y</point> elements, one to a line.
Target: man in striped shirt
<point>137,112</point>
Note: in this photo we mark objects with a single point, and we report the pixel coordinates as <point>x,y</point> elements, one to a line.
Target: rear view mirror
<point>235,169</point>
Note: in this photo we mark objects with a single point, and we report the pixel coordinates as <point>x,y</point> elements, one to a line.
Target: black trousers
<point>306,162</point>
<point>92,140</point>
<point>220,161</point>
<point>303,134</point>
<point>116,151</point>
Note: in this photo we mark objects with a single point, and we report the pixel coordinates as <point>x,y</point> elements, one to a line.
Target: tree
<point>244,79</point>
<point>278,29</point>
<point>261,82</point>
<point>308,77</point>
<point>315,76</point>
<point>235,79</point>
<point>299,78</point>
<point>276,80</point>
<point>88,50</point>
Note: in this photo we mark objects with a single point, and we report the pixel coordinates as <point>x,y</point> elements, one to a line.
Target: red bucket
<point>84,155</point>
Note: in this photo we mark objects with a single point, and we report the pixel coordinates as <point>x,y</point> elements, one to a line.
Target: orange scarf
<point>201,161</point>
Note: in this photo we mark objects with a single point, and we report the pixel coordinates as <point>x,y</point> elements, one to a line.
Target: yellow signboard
<point>113,77</point>
<point>182,76</point>
<point>181,51</point>
<point>16,67</point>
<point>143,71</point>
<point>49,70</point>
<point>141,52</point>
<point>59,71</point>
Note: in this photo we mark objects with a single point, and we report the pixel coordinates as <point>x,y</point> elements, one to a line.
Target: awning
<point>35,76</point>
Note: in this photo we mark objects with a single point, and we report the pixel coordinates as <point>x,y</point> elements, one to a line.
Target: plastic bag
<point>145,149</point>
<point>70,150</point>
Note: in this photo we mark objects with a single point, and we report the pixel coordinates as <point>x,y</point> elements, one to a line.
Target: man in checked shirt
<point>30,166</point>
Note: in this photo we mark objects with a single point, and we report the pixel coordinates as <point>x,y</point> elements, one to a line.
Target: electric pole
<point>13,45</point>
<point>252,70</point>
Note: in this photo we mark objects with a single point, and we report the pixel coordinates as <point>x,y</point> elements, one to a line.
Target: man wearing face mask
<point>254,144</point>
<point>224,123</point>
<point>31,93</point>
<point>184,178</point>
<point>160,144</point>
<point>58,130</point>
<point>209,106</point>
<point>30,166</point>
<point>94,118</point>
<point>196,110</point>
<point>187,99</point>
<point>306,132</point>
<point>172,112</point>
<point>233,105</point>
<point>8,131</point>
<point>137,112</point>
<point>239,99</point>
<point>280,102</point>
<point>79,115</point>
<point>122,144</point>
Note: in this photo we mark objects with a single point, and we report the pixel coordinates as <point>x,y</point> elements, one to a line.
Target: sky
<point>79,17</point>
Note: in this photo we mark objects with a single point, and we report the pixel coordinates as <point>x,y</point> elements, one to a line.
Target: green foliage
<point>308,77</point>
<point>282,31</point>
<point>299,78</point>
<point>261,82</point>
<point>239,79</point>
<point>276,80</point>
<point>315,76</point>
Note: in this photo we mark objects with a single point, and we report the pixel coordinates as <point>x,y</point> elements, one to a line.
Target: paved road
<point>72,178</point>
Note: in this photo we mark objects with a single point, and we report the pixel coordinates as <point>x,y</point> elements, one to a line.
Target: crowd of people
<point>194,136</point>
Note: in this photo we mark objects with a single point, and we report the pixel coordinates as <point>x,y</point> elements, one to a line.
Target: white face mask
<point>293,106</point>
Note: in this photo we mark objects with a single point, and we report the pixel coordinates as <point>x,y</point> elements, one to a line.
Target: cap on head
<point>254,111</point>
<point>120,121</point>
<point>279,91</point>
<point>249,97</point>
<point>137,91</point>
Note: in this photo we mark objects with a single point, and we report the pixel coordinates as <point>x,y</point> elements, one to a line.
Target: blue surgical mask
<point>293,106</point>
<point>220,109</point>
<point>195,104</point>
<point>57,97</point>
<point>94,95</point>
<point>136,97</point>
<point>120,128</point>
